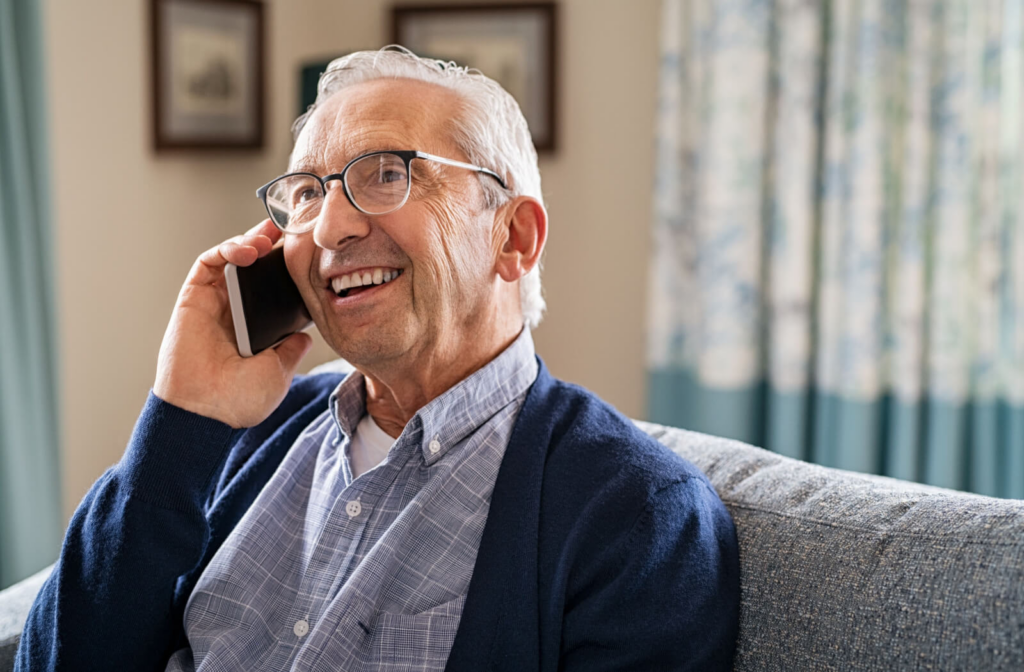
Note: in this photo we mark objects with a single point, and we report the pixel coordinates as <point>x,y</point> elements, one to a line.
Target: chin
<point>366,348</point>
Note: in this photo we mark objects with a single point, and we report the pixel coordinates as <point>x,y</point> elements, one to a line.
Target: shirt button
<point>435,446</point>
<point>301,628</point>
<point>353,508</point>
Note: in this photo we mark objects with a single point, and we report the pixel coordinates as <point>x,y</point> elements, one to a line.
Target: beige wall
<point>129,223</point>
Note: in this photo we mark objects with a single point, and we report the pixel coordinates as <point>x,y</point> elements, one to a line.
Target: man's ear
<point>525,232</point>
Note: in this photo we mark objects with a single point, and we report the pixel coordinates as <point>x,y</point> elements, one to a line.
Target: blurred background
<point>790,222</point>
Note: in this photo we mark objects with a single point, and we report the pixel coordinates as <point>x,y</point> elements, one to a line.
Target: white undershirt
<point>370,445</point>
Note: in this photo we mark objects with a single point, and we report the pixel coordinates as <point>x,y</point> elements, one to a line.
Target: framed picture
<point>207,74</point>
<point>309,80</point>
<point>514,44</point>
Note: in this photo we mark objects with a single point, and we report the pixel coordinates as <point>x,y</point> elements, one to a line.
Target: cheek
<point>461,247</point>
<point>298,256</point>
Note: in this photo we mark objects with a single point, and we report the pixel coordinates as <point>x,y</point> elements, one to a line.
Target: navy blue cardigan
<point>602,550</point>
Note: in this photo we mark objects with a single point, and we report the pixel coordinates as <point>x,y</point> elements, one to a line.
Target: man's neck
<point>393,397</point>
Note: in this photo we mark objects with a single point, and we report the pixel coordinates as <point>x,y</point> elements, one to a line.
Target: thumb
<point>292,350</point>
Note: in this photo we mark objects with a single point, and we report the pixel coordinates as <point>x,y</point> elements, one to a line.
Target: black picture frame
<point>515,44</point>
<point>207,74</point>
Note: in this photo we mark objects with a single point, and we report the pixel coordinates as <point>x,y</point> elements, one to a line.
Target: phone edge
<point>237,310</point>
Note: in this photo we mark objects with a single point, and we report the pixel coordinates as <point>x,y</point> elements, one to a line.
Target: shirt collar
<point>456,413</point>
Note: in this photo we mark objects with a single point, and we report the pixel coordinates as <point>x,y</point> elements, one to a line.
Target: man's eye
<point>389,176</point>
<point>301,196</point>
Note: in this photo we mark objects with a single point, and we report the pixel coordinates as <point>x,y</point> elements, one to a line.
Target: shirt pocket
<point>420,641</point>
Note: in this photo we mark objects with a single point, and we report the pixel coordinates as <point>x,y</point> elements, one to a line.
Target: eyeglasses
<point>376,184</point>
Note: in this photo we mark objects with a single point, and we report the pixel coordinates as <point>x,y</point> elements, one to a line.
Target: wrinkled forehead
<point>371,116</point>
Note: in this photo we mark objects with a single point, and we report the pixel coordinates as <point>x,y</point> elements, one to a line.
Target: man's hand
<point>199,368</point>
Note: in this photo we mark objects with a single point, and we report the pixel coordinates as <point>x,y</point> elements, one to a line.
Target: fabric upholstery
<point>840,571</point>
<point>14,605</point>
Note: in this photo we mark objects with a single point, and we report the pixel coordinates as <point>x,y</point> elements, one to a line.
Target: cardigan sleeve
<point>664,594</point>
<point>108,605</point>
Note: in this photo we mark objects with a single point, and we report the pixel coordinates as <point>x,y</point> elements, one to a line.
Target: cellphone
<point>266,306</point>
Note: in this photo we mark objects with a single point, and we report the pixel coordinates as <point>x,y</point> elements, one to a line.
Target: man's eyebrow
<point>303,167</point>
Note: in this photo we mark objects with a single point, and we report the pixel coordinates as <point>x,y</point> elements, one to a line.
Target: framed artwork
<point>207,74</point>
<point>514,44</point>
<point>309,80</point>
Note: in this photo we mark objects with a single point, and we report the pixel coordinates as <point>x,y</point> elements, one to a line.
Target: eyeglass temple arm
<point>460,164</point>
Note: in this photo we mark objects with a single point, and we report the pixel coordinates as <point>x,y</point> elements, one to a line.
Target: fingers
<point>241,251</point>
<point>262,237</point>
<point>266,228</point>
<point>291,351</point>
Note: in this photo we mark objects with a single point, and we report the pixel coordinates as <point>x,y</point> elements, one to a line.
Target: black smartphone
<point>266,306</point>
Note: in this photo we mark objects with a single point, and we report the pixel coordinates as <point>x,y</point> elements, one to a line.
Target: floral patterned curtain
<point>837,271</point>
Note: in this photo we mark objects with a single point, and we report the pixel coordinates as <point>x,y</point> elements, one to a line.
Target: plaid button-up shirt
<point>329,572</point>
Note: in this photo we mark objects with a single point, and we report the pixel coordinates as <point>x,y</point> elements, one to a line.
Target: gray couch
<point>840,571</point>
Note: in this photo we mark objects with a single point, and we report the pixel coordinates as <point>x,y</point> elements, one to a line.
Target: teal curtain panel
<point>837,268</point>
<point>31,522</point>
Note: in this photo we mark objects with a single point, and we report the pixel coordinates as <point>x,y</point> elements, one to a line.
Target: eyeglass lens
<point>377,185</point>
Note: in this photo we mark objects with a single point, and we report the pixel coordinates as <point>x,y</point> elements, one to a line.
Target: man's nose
<point>339,222</point>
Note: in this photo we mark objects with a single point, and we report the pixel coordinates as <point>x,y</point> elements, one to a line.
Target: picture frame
<point>309,79</point>
<point>515,44</point>
<point>208,74</point>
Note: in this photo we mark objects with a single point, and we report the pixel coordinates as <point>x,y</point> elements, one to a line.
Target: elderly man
<point>449,505</point>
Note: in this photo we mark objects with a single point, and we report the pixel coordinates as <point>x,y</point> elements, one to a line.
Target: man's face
<point>442,243</point>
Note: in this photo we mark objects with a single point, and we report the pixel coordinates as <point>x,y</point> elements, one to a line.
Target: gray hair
<point>491,130</point>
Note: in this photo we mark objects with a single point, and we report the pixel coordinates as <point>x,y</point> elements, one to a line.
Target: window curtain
<point>31,523</point>
<point>837,271</point>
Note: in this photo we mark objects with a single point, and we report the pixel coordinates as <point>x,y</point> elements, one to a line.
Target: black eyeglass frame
<point>406,155</point>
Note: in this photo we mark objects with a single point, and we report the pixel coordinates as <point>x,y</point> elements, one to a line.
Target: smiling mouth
<point>360,281</point>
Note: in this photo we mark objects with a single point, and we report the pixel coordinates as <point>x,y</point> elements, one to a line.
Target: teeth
<point>376,276</point>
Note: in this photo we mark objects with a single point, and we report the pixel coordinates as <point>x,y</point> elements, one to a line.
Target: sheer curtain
<point>838,259</point>
<point>30,516</point>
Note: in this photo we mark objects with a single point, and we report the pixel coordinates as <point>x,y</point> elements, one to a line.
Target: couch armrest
<point>15,603</point>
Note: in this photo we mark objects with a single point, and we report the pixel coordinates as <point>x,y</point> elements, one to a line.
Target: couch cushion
<point>15,603</point>
<point>842,571</point>
<point>839,571</point>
